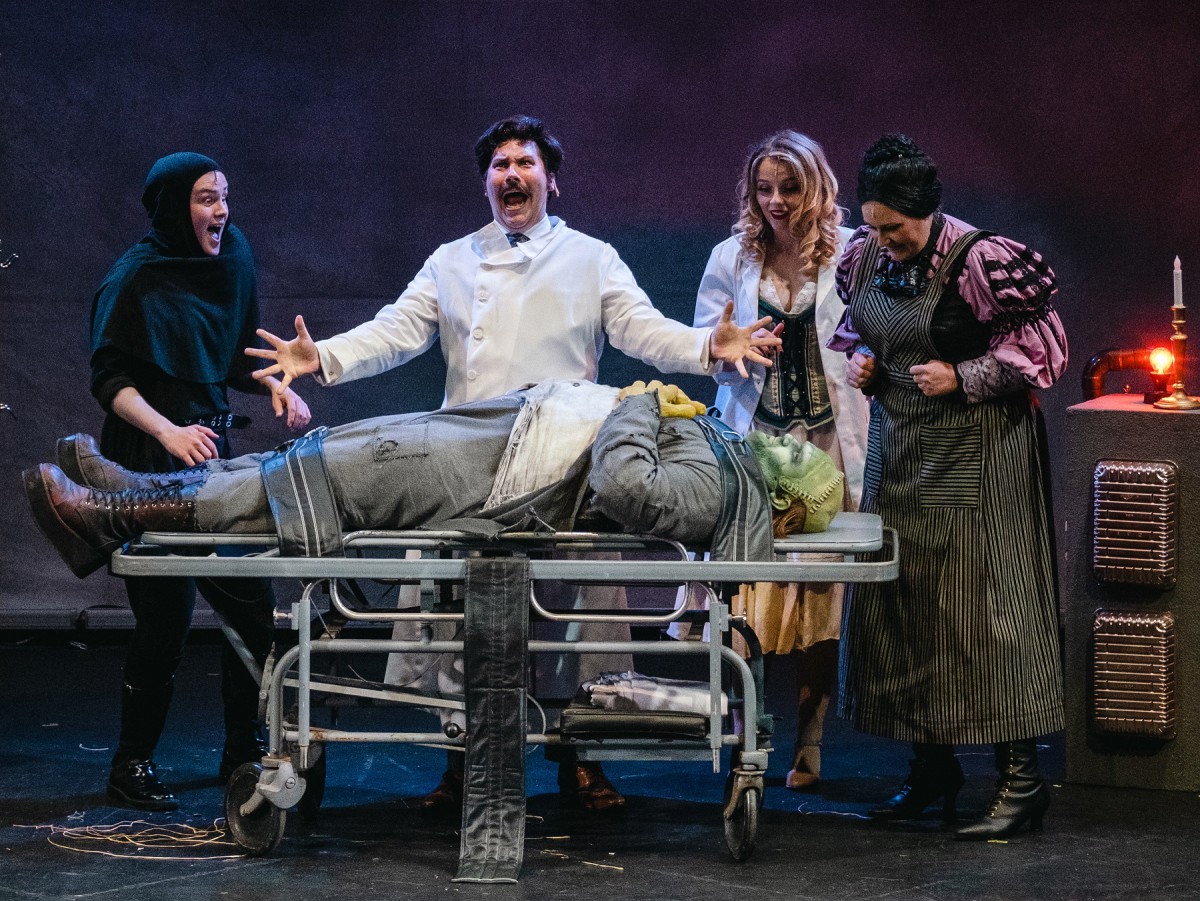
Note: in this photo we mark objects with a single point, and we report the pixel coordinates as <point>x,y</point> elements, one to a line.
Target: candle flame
<point>1161,360</point>
<point>1178,268</point>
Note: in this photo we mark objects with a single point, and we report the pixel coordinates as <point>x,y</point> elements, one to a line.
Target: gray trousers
<point>390,472</point>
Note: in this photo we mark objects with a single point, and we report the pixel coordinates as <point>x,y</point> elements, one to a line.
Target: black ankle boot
<point>80,458</point>
<point>935,773</point>
<point>134,783</point>
<point>86,525</point>
<point>1021,795</point>
<point>132,779</point>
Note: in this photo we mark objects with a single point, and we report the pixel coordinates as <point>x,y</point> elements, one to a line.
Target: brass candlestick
<point>1178,399</point>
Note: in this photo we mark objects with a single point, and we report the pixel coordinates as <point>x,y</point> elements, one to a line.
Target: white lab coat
<point>507,317</point>
<point>729,276</point>
<point>510,316</point>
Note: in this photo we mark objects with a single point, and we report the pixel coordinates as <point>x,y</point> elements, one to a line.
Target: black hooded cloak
<point>171,321</point>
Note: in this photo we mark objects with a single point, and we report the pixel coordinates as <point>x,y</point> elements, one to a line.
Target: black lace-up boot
<point>86,525</point>
<point>934,774</point>
<point>80,458</point>
<point>1021,795</point>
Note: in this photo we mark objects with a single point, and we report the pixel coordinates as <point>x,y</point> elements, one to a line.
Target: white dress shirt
<point>510,316</point>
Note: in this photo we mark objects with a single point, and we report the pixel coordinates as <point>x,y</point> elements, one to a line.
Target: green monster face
<point>799,471</point>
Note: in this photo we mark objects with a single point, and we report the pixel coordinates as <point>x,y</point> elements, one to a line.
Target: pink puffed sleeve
<point>845,337</point>
<point>1010,287</point>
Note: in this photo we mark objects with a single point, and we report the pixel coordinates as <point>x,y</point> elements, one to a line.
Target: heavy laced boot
<point>935,774</point>
<point>132,780</point>
<point>80,458</point>
<point>1021,794</point>
<point>86,525</point>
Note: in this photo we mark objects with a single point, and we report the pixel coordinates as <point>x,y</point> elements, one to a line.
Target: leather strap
<point>306,515</point>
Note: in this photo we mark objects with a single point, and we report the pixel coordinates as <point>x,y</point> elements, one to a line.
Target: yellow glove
<point>671,400</point>
<point>638,387</point>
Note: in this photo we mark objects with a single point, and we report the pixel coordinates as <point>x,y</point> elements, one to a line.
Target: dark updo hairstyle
<point>519,128</point>
<point>898,174</point>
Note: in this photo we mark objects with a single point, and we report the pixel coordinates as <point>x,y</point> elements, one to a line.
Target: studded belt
<point>220,422</point>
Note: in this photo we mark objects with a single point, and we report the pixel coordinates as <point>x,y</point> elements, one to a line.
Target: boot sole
<point>80,557</point>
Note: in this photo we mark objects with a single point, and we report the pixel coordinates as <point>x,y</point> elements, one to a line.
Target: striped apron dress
<point>963,647</point>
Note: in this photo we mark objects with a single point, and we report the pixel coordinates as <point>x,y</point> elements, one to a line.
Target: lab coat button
<point>472,375</point>
<point>477,334</point>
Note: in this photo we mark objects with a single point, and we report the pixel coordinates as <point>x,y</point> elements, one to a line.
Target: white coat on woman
<point>729,275</point>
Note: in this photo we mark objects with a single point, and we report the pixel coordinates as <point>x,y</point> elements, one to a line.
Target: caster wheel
<point>259,832</point>
<point>741,829</point>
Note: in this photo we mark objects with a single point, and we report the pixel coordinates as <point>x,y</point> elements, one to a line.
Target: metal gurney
<point>293,772</point>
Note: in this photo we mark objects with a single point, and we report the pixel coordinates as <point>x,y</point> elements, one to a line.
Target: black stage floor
<point>59,717</point>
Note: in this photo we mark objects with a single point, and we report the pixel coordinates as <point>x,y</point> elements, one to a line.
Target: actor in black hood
<point>168,326</point>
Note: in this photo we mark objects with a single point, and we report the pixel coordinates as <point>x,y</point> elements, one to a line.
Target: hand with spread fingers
<point>734,344</point>
<point>290,359</point>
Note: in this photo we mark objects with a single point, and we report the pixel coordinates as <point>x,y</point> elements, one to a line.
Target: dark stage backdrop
<point>345,130</point>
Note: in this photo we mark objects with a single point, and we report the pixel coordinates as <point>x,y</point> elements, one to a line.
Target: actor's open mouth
<point>514,198</point>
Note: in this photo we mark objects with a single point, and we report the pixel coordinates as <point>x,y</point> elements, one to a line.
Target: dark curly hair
<point>899,174</point>
<point>519,128</point>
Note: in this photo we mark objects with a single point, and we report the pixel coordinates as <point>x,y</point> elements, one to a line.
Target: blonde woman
<point>781,262</point>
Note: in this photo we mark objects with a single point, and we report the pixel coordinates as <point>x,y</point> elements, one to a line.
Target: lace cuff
<point>986,377</point>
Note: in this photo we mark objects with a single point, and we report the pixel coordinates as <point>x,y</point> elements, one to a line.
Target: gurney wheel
<point>309,804</point>
<point>741,829</point>
<point>259,832</point>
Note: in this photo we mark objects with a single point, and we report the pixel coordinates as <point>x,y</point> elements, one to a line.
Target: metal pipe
<point>1107,361</point>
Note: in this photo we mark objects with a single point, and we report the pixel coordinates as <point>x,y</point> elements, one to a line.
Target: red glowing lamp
<point>1162,364</point>
<point>1161,361</point>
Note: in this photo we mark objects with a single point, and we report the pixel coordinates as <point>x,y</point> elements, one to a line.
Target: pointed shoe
<point>1013,807</point>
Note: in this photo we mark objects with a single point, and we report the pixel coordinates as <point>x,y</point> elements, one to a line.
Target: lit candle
<point>1178,284</point>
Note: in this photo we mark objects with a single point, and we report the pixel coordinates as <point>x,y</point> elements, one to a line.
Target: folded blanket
<point>633,691</point>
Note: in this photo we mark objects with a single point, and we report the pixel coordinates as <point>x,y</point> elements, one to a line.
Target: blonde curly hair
<point>815,222</point>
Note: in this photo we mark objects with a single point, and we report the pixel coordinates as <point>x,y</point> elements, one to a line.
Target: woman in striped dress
<point>948,328</point>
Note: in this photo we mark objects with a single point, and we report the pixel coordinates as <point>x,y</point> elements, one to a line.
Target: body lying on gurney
<point>564,455</point>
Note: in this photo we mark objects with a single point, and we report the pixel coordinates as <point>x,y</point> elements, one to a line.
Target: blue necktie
<point>515,238</point>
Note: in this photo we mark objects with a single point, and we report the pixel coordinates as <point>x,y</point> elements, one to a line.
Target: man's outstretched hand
<point>735,344</point>
<point>290,359</point>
